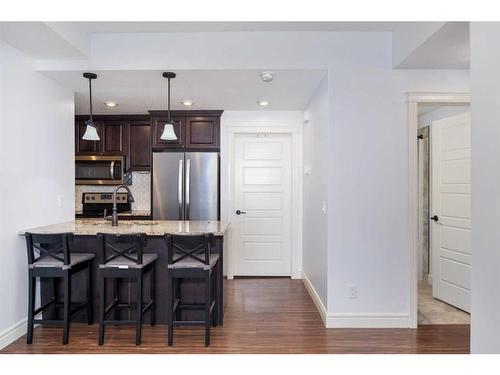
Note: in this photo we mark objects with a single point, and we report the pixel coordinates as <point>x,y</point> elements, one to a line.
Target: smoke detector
<point>267,76</point>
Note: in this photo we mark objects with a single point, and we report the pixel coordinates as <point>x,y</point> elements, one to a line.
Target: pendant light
<point>168,133</point>
<point>90,131</point>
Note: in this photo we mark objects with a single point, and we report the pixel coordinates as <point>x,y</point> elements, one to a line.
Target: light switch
<point>323,207</point>
<point>59,201</point>
<point>307,170</point>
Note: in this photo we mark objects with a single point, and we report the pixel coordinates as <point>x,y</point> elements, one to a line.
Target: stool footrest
<point>48,321</point>
<point>119,322</point>
<point>188,322</point>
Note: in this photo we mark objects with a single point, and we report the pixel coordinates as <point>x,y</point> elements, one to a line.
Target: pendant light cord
<point>90,91</point>
<point>168,100</point>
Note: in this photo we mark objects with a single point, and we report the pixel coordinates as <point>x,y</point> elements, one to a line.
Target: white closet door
<point>451,210</point>
<point>262,199</point>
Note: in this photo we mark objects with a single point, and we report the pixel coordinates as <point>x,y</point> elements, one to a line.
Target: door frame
<point>227,186</point>
<point>414,99</point>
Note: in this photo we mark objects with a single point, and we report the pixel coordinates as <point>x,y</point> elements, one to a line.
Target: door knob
<point>238,212</point>
<point>435,218</point>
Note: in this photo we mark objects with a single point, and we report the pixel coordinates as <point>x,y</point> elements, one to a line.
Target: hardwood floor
<point>261,316</point>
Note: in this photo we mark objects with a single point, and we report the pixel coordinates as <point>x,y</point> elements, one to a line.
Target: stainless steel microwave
<point>99,170</point>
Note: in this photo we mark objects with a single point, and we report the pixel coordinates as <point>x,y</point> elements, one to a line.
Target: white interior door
<point>262,199</point>
<point>451,205</point>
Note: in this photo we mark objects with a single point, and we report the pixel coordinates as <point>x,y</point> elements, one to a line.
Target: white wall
<point>485,84</point>
<point>37,169</point>
<point>440,113</point>
<point>315,222</point>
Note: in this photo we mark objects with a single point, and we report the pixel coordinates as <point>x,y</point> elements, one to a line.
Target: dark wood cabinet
<point>202,132</point>
<point>127,135</point>
<point>158,123</point>
<point>83,147</point>
<point>139,146</point>
<point>195,130</point>
<point>114,137</point>
<point>135,136</point>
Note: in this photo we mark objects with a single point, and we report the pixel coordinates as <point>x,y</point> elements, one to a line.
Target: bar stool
<point>49,256</point>
<point>189,256</point>
<point>122,257</point>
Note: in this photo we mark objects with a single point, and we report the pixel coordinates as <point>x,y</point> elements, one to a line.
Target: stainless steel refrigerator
<point>185,186</point>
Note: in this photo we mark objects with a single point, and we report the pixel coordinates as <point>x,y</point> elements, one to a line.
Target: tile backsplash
<point>140,188</point>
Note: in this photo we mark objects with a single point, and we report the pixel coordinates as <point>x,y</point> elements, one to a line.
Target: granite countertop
<point>124,214</point>
<point>90,227</point>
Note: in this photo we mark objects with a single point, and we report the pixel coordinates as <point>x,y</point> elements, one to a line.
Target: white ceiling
<point>140,91</point>
<point>448,46</point>
<point>155,27</point>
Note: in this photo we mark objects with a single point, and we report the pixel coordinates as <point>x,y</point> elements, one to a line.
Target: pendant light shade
<point>168,133</point>
<point>90,130</point>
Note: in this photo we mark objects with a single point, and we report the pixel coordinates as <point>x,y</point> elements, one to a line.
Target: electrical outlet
<point>353,291</point>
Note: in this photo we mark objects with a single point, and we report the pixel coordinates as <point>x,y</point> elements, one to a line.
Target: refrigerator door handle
<point>188,185</point>
<point>180,189</point>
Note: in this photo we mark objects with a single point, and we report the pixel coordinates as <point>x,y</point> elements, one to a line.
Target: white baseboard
<point>354,320</point>
<point>315,297</point>
<point>12,333</point>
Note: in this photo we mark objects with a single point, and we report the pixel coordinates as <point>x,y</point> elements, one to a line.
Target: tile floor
<point>433,311</point>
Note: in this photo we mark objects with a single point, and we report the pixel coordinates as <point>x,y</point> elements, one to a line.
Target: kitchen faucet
<point>114,218</point>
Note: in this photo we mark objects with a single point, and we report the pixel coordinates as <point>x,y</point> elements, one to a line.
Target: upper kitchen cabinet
<point>158,123</point>
<point>112,131</point>
<point>83,147</point>
<point>114,137</point>
<point>127,135</point>
<point>139,146</point>
<point>195,130</point>
<point>202,132</point>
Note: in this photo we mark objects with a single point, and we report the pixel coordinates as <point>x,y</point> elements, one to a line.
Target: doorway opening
<point>443,252</point>
<point>440,221</point>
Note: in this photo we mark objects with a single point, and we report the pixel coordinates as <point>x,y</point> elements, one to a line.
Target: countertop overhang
<point>90,227</point>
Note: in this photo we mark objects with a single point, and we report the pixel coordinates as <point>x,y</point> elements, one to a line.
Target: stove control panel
<point>104,198</point>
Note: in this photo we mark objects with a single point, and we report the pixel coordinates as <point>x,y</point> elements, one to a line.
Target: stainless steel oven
<point>99,170</point>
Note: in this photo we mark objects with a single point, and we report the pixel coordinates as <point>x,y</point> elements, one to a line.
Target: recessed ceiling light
<point>267,76</point>
<point>110,104</point>
<point>263,103</point>
<point>187,102</point>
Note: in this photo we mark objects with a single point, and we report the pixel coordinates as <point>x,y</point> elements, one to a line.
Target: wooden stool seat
<point>127,263</point>
<point>48,262</point>
<point>190,263</point>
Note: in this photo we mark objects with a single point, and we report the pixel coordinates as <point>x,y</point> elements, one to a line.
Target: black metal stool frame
<point>175,306</point>
<point>59,243</point>
<point>136,246</point>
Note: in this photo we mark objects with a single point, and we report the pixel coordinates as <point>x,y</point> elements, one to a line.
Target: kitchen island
<point>85,241</point>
